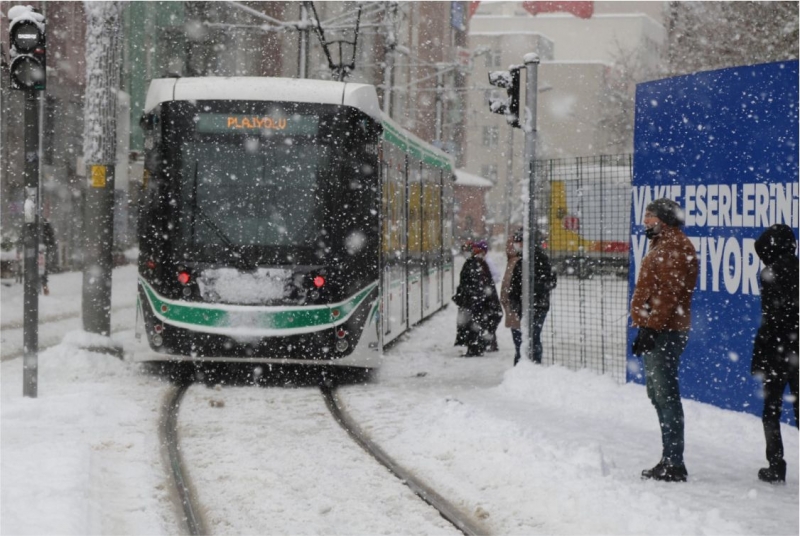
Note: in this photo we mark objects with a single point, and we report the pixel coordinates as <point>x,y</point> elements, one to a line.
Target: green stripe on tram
<point>411,146</point>
<point>320,316</point>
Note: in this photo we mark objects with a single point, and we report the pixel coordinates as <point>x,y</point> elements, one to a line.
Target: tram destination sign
<point>291,125</point>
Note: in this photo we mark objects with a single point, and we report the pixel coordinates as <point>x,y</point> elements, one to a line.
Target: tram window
<point>271,188</point>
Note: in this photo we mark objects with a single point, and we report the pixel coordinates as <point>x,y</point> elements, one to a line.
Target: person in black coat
<point>544,281</point>
<point>477,295</point>
<point>463,318</point>
<point>775,348</point>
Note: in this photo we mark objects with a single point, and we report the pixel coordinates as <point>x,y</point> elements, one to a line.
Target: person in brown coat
<point>661,309</point>
<point>514,254</point>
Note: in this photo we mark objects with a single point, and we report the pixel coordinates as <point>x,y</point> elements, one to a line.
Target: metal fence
<point>587,236</point>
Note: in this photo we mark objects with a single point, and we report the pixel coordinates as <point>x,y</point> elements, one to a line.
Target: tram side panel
<point>394,243</point>
<point>448,282</point>
<point>415,257</point>
<point>431,297</point>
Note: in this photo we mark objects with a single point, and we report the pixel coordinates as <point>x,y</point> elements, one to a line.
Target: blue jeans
<point>539,314</point>
<point>661,379</point>
<point>516,335</point>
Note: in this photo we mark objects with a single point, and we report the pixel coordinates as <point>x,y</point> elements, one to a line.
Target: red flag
<point>584,10</point>
<point>473,7</point>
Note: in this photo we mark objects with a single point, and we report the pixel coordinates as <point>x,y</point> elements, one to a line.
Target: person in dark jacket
<point>544,281</point>
<point>477,294</point>
<point>775,348</point>
<point>463,319</point>
<point>662,310</point>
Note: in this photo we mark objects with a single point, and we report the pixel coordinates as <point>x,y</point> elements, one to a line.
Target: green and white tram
<point>286,221</point>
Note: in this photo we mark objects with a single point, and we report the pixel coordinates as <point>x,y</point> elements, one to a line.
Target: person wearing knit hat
<point>476,297</point>
<point>667,211</point>
<point>661,309</point>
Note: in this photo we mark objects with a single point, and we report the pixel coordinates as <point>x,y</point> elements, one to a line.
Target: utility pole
<point>529,126</point>
<point>103,47</point>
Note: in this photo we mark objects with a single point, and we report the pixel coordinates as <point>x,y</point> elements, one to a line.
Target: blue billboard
<point>724,145</point>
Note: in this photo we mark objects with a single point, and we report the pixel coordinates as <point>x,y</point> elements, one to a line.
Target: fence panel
<point>587,236</point>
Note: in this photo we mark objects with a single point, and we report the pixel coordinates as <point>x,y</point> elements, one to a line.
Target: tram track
<point>168,434</point>
<point>447,510</point>
<point>186,495</point>
<point>46,341</point>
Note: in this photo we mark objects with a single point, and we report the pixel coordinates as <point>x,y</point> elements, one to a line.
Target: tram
<point>286,221</point>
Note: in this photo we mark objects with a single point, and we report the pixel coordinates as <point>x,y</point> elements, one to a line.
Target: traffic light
<point>508,80</point>
<point>28,49</point>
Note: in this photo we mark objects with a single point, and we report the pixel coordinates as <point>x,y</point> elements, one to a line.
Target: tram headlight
<point>342,345</point>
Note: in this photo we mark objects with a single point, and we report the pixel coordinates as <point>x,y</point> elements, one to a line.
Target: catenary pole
<point>302,51</point>
<point>529,126</point>
<point>439,103</point>
<point>30,320</point>
<point>103,52</point>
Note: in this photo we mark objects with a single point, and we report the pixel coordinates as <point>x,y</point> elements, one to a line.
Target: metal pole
<point>30,325</point>
<point>104,30</point>
<point>389,52</point>
<point>509,179</point>
<point>302,60</point>
<point>439,104</point>
<point>529,125</point>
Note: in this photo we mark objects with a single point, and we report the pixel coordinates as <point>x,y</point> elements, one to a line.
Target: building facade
<point>419,42</point>
<point>583,72</point>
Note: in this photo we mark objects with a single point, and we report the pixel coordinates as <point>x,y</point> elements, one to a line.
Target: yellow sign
<point>98,176</point>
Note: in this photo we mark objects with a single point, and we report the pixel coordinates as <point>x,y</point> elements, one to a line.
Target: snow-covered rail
<point>172,457</point>
<point>266,451</point>
<point>451,513</point>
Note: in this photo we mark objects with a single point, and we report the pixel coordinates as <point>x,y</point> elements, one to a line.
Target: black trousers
<point>774,387</point>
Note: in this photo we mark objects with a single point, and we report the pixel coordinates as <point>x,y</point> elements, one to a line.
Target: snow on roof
<point>468,179</point>
<point>361,96</point>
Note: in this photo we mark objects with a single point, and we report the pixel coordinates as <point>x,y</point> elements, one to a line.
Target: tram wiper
<point>233,248</point>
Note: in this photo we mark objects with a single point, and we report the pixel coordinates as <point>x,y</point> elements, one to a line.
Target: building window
<point>491,136</point>
<point>494,58</point>
<point>489,171</point>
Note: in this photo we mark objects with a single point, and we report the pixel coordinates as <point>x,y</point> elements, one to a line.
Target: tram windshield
<point>260,194</point>
<point>254,182</point>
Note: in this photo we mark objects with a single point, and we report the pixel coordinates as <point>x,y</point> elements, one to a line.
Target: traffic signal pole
<point>534,197</point>
<point>30,325</point>
<point>28,73</point>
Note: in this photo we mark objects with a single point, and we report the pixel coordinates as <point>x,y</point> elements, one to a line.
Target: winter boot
<point>666,472</point>
<point>774,474</point>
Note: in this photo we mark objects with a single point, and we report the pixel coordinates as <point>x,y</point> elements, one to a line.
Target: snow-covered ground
<point>529,450</point>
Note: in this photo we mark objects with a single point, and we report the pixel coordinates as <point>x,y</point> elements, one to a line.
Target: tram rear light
<point>341,333</point>
<point>151,264</point>
<point>158,328</point>
<point>319,281</point>
<point>184,278</point>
